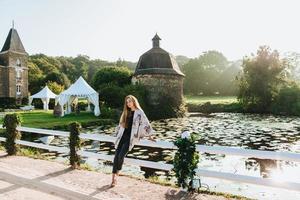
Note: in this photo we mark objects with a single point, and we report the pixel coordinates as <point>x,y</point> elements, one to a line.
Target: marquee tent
<point>80,89</point>
<point>45,95</point>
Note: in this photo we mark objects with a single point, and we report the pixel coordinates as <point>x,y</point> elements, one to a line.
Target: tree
<point>59,78</point>
<point>119,76</point>
<point>181,60</point>
<point>293,63</point>
<point>35,76</point>
<point>81,67</point>
<point>203,72</point>
<point>260,80</point>
<point>55,87</point>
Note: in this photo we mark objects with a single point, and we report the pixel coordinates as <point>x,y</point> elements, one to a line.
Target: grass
<point>43,119</point>
<point>212,99</point>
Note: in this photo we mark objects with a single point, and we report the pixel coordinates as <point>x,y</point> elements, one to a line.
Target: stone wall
<point>8,78</point>
<point>162,90</point>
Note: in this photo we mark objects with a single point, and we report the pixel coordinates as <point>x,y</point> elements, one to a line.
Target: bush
<point>8,102</point>
<point>112,95</point>
<point>288,101</point>
<point>25,101</point>
<point>110,113</point>
<point>11,121</point>
<point>185,161</point>
<point>138,91</point>
<point>119,76</point>
<point>213,108</point>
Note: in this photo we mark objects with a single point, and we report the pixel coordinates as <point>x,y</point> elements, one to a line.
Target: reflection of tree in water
<point>265,166</point>
<point>148,171</point>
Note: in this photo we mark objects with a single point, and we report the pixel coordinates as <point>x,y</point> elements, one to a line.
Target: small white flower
<point>185,134</point>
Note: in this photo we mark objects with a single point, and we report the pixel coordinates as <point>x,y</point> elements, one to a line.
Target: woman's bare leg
<point>114,180</point>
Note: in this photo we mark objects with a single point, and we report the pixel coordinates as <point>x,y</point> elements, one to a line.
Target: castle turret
<point>159,72</point>
<point>13,68</point>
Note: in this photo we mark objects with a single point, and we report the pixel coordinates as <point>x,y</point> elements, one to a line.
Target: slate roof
<point>13,42</point>
<point>157,61</point>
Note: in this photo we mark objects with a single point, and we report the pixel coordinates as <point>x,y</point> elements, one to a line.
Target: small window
<point>18,89</point>
<point>18,63</point>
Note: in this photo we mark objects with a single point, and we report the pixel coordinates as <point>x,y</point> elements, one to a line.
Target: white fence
<point>169,145</point>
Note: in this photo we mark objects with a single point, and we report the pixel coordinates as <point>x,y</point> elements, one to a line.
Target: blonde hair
<point>126,109</point>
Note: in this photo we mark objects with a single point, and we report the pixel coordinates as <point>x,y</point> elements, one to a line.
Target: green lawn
<point>43,119</point>
<point>212,99</point>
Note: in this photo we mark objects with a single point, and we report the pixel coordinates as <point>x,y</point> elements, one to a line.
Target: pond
<point>248,131</point>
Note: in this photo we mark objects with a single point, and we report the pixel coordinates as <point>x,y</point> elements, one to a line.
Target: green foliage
<point>288,100</point>
<point>122,63</point>
<point>59,78</point>
<point>214,108</point>
<point>112,95</point>
<point>62,69</point>
<point>118,76</point>
<point>182,60</point>
<point>74,144</point>
<point>114,83</point>
<point>10,122</point>
<point>7,102</point>
<point>138,91</point>
<point>110,113</point>
<point>210,73</point>
<point>55,87</point>
<point>185,161</point>
<point>261,79</point>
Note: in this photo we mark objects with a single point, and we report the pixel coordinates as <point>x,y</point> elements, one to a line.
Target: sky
<point>112,29</point>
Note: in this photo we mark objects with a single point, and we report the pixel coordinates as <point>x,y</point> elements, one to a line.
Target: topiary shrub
<point>10,122</point>
<point>74,144</point>
<point>186,160</point>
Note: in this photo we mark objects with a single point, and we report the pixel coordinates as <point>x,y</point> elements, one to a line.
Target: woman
<point>133,126</point>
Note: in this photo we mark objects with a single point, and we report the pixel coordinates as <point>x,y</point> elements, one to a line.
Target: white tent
<point>80,89</point>
<point>45,95</point>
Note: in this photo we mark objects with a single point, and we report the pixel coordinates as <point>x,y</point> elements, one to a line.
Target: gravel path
<point>23,178</point>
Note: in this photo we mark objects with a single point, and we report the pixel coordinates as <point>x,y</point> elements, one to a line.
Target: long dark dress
<point>123,146</point>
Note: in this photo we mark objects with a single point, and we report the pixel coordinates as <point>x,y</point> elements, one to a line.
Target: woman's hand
<point>152,139</point>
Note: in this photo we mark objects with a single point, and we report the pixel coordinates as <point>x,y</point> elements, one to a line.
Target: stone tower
<point>13,68</point>
<point>158,71</point>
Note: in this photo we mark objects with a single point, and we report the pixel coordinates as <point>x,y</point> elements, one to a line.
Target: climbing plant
<point>186,160</point>
<point>74,144</point>
<point>10,122</point>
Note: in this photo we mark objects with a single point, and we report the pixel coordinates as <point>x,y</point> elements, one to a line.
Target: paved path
<point>23,178</point>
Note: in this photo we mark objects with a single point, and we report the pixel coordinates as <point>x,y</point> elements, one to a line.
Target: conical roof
<point>13,42</point>
<point>157,61</point>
